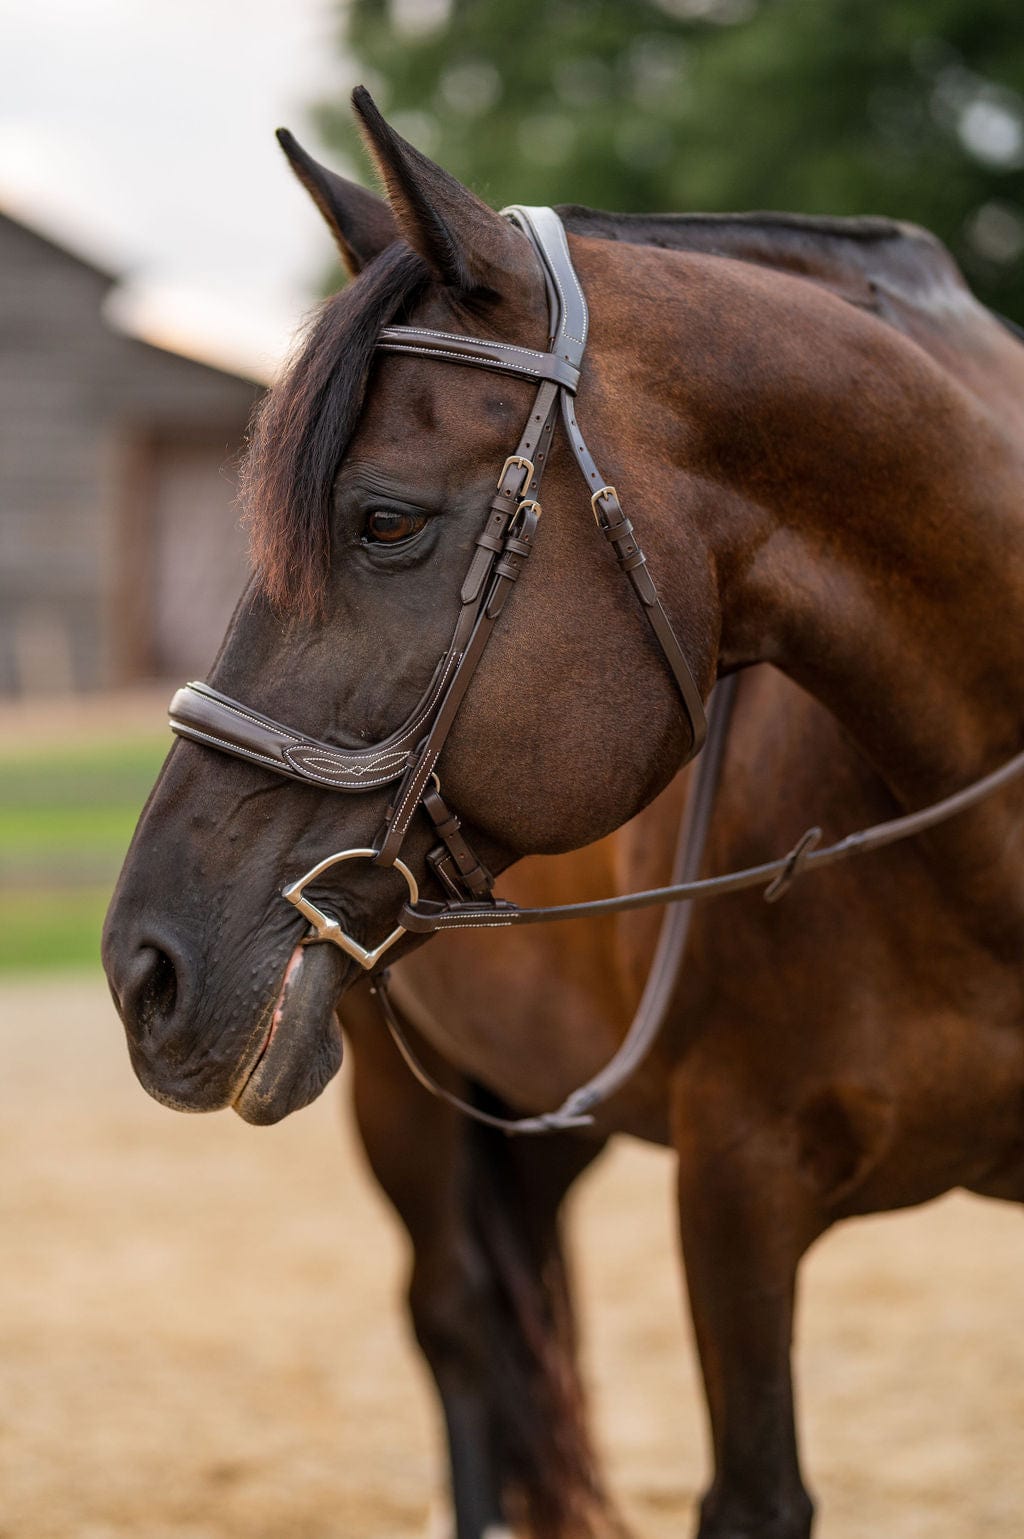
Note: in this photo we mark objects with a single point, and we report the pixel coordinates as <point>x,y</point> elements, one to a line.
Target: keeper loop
<point>795,862</point>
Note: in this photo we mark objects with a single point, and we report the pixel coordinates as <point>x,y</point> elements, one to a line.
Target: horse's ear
<point>465,243</point>
<point>361,223</point>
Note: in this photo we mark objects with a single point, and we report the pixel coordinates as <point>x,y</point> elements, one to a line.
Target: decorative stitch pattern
<point>346,764</point>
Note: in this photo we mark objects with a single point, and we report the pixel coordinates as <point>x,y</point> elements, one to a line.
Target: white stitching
<point>347,763</point>
<point>312,759</point>
<point>563,243</point>
<point>456,923</point>
<point>237,710</point>
<point>552,268</point>
<point>454,336</point>
<point>396,822</point>
<point>236,749</point>
<point>440,352</point>
<point>583,301</point>
<point>346,767</point>
<point>453,658</point>
<point>337,784</point>
<point>184,730</point>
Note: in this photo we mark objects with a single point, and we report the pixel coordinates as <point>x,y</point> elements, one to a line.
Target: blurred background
<point>155,256</point>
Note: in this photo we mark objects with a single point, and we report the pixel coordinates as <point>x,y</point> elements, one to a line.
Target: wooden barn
<point>120,550</point>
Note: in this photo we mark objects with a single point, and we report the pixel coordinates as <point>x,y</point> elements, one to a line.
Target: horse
<point>822,431</point>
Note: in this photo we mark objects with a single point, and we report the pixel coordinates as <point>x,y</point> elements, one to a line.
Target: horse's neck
<point>898,272</point>
<point>857,259</point>
<point>880,561</point>
<point>864,512</point>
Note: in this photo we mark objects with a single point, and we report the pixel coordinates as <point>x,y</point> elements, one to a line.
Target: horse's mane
<point>858,259</point>
<point>303,425</point>
<point>701,229</point>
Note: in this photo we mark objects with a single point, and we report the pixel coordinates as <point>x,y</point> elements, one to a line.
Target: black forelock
<point>304,424</point>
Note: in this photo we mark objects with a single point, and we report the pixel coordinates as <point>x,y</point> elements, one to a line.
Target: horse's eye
<point>386,526</point>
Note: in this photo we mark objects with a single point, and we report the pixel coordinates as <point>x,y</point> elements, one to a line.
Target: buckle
<point>327,929</point>
<point>521,507</point>
<point>602,491</point>
<point>524,464</point>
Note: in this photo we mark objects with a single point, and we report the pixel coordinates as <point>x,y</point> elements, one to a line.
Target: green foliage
<point>66,817</point>
<point>911,108</point>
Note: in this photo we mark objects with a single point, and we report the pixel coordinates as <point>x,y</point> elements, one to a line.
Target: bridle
<point>408,758</point>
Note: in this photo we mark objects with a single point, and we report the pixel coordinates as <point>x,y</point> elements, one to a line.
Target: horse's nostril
<point>163,985</point>
<point>151,997</point>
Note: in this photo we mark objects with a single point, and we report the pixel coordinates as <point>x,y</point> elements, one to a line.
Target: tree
<point>911,108</point>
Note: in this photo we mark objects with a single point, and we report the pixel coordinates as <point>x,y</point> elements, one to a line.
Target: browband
<point>503,357</point>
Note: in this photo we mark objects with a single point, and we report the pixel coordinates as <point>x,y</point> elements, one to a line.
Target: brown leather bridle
<point>408,758</point>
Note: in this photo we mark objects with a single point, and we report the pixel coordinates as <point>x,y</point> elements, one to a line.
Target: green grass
<point>66,817</point>
<point>42,931</point>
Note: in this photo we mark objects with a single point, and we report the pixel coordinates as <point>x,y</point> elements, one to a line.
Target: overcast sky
<point>142,131</point>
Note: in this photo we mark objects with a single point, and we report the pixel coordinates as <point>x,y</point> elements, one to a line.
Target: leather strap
<point>454,860</point>
<point>517,547</point>
<point>618,531</point>
<point>566,299</point>
<point>426,918</point>
<point>502,357</point>
<point>577,1110</point>
<point>549,239</point>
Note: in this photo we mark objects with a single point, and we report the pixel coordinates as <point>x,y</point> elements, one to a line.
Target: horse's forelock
<point>303,426</point>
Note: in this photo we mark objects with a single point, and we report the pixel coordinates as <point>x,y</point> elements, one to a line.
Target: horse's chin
<point>302,1048</point>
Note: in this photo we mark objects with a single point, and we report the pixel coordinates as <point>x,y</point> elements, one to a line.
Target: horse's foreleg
<point>746,1218</point>
<point>488,1293</point>
<point>416,1146</point>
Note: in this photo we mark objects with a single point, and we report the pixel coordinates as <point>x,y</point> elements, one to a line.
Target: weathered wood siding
<point>92,423</point>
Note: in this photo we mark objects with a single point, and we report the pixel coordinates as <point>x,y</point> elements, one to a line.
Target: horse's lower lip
<point>301,1050</point>
<point>294,963</point>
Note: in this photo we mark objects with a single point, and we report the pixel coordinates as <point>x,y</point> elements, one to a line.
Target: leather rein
<point>408,758</point>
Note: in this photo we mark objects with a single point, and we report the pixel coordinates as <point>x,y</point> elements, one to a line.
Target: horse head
<point>368,480</point>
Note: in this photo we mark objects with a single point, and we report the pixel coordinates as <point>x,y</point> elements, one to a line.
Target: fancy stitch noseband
<point>408,758</point>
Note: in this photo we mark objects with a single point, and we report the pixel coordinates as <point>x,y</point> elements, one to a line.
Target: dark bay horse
<point>822,436</point>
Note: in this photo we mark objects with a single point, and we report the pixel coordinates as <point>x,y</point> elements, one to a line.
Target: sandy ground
<point>202,1336</point>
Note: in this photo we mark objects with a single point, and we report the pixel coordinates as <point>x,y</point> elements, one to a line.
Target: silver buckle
<point>602,491</point>
<point>527,503</point>
<point>327,929</point>
<point>524,464</point>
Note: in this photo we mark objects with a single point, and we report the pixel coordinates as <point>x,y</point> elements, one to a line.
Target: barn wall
<point>77,400</point>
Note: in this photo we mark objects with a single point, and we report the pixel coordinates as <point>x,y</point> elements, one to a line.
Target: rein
<point>408,758</point>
